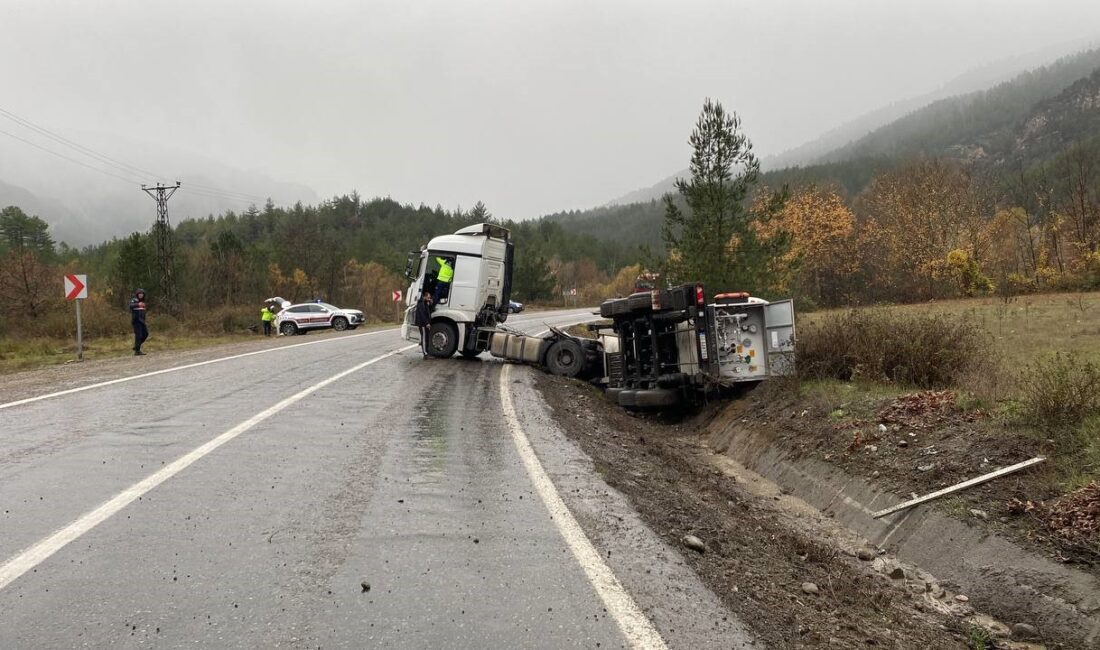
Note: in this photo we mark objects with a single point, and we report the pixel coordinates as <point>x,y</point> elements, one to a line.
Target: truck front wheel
<point>442,340</point>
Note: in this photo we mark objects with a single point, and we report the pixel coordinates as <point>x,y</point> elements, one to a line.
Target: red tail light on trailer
<point>700,297</point>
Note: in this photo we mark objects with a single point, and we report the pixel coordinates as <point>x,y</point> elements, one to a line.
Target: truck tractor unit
<point>655,349</point>
<point>478,293</point>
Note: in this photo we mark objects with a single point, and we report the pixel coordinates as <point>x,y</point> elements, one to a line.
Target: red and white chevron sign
<point>76,287</point>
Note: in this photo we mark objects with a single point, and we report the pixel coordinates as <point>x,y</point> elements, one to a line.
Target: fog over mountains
<point>837,138</point>
<point>533,107</point>
<point>85,205</point>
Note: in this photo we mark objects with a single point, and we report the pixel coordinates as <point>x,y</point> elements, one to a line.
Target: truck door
<point>779,339</point>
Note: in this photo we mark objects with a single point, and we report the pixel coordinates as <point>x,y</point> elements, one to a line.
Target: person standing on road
<point>137,319</point>
<point>422,318</point>
<point>443,279</point>
<point>267,316</point>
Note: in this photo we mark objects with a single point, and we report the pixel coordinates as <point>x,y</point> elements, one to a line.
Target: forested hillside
<point>978,124</point>
<point>1019,139</point>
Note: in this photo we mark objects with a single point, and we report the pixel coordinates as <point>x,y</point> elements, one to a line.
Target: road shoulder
<point>680,606</point>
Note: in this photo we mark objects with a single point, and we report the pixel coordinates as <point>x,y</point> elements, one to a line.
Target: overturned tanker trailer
<point>666,347</point>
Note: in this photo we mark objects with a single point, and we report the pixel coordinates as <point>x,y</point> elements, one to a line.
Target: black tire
<point>288,329</point>
<point>339,323</point>
<point>656,398</point>
<point>626,398</point>
<point>565,358</point>
<point>640,302</point>
<point>614,307</point>
<point>672,380</point>
<point>442,340</point>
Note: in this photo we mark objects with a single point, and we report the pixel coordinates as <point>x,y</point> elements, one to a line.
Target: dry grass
<point>1042,375</point>
<point>24,354</point>
<point>1022,330</point>
<point>886,345</point>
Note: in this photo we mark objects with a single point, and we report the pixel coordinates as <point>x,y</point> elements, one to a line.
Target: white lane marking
<point>39,552</point>
<point>163,371</point>
<point>197,364</point>
<point>632,621</point>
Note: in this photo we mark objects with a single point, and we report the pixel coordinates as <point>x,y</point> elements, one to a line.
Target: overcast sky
<point>532,106</point>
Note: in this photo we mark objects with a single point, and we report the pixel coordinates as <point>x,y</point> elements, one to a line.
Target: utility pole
<point>162,238</point>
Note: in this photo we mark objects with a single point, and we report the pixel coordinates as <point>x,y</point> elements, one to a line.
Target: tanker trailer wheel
<point>442,340</point>
<point>566,358</point>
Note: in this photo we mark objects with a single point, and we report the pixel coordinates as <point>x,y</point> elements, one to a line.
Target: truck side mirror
<point>411,265</point>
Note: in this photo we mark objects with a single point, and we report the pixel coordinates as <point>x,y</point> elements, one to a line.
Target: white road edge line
<point>39,552</point>
<point>635,625</point>
<point>163,371</point>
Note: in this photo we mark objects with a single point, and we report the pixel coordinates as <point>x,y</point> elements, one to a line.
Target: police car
<point>297,319</point>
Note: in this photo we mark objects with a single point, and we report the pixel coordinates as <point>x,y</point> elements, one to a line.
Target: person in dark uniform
<point>137,319</point>
<point>422,318</point>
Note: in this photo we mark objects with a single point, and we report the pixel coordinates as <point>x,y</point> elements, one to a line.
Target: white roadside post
<point>76,289</point>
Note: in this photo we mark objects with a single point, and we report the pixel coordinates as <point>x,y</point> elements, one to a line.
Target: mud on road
<point>755,560</point>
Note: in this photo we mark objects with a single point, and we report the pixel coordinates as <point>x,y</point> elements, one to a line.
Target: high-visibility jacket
<point>266,315</point>
<point>445,271</point>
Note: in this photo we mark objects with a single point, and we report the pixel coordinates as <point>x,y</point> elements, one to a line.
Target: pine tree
<point>709,239</point>
<point>480,213</point>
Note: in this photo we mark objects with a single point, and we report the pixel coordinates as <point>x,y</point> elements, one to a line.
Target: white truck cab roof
<point>463,241</point>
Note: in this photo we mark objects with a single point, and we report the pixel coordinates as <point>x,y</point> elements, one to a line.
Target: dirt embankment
<point>781,567</point>
<point>921,441</point>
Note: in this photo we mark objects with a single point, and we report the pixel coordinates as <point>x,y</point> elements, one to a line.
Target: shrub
<point>876,344</point>
<point>1060,393</point>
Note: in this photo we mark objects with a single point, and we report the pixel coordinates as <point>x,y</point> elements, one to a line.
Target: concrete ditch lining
<point>1000,576</point>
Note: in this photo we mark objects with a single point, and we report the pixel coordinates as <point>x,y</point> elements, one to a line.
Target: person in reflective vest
<point>442,279</point>
<point>267,316</point>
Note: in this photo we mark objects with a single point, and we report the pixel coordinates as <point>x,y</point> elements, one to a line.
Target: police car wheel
<point>288,329</point>
<point>339,323</point>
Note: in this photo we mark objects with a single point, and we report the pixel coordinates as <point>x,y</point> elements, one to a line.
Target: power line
<point>128,181</point>
<point>87,151</point>
<point>218,195</point>
<point>126,168</point>
<point>225,191</point>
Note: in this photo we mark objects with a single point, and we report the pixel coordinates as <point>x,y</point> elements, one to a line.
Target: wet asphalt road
<point>401,475</point>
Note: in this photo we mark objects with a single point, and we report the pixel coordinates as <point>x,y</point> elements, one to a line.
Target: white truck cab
<point>481,257</point>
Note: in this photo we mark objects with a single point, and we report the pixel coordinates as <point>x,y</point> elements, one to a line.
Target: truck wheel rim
<point>439,340</point>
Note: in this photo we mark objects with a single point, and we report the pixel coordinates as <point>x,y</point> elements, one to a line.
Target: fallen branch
<point>959,486</point>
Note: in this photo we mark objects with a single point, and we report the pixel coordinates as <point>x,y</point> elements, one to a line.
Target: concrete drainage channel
<point>992,573</point>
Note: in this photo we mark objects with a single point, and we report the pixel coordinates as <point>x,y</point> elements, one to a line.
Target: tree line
<point>346,250</point>
<point>923,228</point>
<point>926,228</point>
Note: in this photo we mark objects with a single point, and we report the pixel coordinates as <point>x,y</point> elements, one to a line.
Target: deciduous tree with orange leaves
<point>820,254</point>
